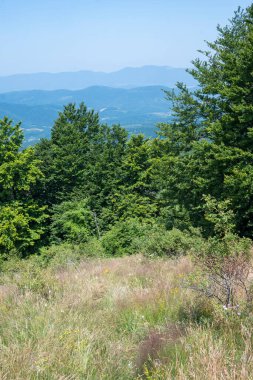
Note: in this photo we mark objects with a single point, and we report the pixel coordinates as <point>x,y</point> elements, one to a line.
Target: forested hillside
<point>88,177</point>
<point>92,190</point>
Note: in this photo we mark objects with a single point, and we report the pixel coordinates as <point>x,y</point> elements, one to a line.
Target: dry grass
<point>109,319</point>
<point>209,358</point>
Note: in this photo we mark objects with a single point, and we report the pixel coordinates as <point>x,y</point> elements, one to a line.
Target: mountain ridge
<point>128,77</point>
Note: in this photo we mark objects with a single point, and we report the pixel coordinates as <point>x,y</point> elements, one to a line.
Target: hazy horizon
<point>57,36</point>
<point>95,71</point>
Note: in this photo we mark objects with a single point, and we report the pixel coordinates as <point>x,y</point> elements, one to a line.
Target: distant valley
<point>132,97</point>
<point>138,109</point>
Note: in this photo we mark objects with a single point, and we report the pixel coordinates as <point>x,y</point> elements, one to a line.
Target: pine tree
<point>208,148</point>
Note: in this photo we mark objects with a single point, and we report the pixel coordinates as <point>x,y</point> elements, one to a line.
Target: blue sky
<point>106,35</point>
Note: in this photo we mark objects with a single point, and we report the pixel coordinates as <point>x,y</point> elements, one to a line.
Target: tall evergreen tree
<point>135,196</point>
<point>208,147</point>
<point>82,160</point>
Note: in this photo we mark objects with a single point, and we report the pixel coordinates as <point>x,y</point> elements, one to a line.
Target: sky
<point>106,35</point>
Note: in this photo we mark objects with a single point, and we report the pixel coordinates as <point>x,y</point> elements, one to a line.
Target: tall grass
<point>119,318</point>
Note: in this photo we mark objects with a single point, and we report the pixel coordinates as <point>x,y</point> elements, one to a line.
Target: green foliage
<point>11,137</point>
<point>200,311</point>
<point>93,248</point>
<point>69,143</point>
<point>21,218</point>
<point>158,241</point>
<point>197,175</point>
<point>119,240</point>
<point>72,221</point>
<point>21,226</point>
<point>134,236</point>
<point>219,214</point>
<point>225,242</point>
<point>136,198</point>
<point>94,151</point>
<point>207,149</point>
<point>53,257</point>
<point>223,265</point>
<point>56,256</point>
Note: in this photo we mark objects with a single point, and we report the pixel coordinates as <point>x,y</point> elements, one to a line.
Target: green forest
<point>92,181</point>
<point>91,192</point>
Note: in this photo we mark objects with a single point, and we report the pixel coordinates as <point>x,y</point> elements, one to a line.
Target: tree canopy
<point>208,146</point>
<point>89,178</point>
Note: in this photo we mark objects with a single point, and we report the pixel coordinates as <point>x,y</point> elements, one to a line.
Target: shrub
<point>223,270</point>
<point>52,257</point>
<point>157,241</point>
<point>133,236</point>
<point>120,240</point>
<point>92,248</point>
<point>59,255</point>
<point>224,265</point>
<point>29,275</point>
<point>66,254</point>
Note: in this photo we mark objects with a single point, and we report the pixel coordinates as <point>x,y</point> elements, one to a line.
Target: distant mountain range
<point>132,97</point>
<point>126,78</point>
<point>137,109</point>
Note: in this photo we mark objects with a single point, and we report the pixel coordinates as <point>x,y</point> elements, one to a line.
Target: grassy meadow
<point>116,318</point>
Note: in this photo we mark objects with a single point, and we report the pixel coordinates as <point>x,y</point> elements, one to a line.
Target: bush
<point>69,254</point>
<point>93,248</point>
<point>133,236</point>
<point>60,255</point>
<point>223,271</point>
<point>157,241</point>
<point>224,263</point>
<point>121,239</point>
<point>53,257</point>
<point>29,275</point>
